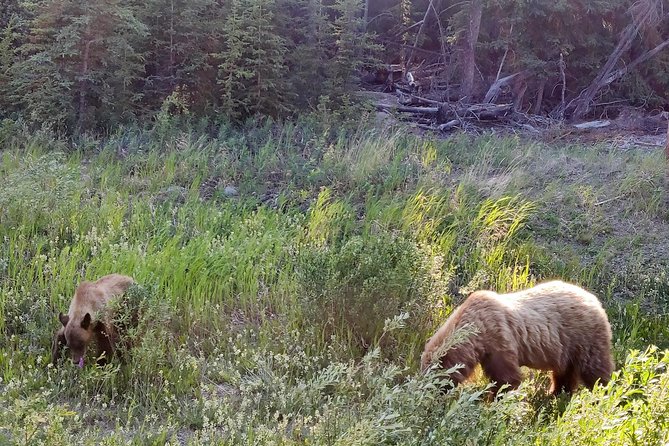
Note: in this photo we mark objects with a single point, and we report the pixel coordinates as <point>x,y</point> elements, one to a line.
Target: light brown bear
<point>79,326</point>
<point>553,326</point>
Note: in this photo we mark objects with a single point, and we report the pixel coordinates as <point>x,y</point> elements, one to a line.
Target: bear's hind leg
<point>503,369</point>
<point>566,381</point>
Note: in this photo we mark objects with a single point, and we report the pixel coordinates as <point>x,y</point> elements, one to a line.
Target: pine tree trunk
<point>666,172</point>
<point>365,16</point>
<point>83,82</point>
<point>540,97</point>
<point>468,61</point>
<point>172,43</point>
<point>666,149</point>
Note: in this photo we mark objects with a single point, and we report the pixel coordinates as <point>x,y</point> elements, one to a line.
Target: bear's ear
<point>86,321</point>
<point>64,318</point>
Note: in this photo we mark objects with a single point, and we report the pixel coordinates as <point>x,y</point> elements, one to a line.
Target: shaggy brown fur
<point>553,326</point>
<point>80,329</point>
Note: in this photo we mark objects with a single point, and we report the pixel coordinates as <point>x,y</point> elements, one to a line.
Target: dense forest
<point>81,66</point>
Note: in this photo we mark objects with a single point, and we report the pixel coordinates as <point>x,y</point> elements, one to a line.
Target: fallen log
<point>593,124</point>
<point>409,109</point>
<point>448,125</point>
<point>448,112</point>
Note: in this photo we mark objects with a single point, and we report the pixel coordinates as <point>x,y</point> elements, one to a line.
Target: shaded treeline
<point>92,65</point>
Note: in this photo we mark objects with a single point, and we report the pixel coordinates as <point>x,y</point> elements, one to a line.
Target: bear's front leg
<point>57,345</point>
<point>503,369</point>
<point>105,345</point>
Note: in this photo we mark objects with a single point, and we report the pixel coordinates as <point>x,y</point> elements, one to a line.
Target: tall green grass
<point>295,311</point>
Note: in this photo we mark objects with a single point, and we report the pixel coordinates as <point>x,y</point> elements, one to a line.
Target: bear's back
<point>113,284</point>
<point>91,297</point>
<point>552,320</point>
<point>555,302</point>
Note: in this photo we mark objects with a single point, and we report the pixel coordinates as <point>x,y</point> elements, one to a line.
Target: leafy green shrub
<point>44,185</point>
<point>291,396</point>
<point>633,409</point>
<point>26,313</point>
<point>363,282</point>
<point>36,420</point>
<point>149,353</point>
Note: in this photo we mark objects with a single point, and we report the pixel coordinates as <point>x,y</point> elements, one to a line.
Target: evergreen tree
<point>536,37</point>
<point>7,57</point>
<point>252,72</point>
<point>80,64</point>
<point>184,35</point>
<point>307,31</point>
<point>351,47</point>
<point>9,9</point>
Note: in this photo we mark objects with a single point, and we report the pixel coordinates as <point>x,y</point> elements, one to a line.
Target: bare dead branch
<point>497,86</point>
<point>563,65</point>
<point>639,60</point>
<point>506,52</point>
<point>429,9</point>
<point>644,14</point>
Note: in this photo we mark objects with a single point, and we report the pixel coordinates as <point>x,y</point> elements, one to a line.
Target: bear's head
<point>78,335</point>
<point>426,360</point>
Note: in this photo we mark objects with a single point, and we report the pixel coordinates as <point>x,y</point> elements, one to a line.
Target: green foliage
<point>362,283</point>
<point>574,29</point>
<point>79,63</point>
<point>252,69</point>
<point>78,67</point>
<point>527,37</point>
<point>184,34</point>
<point>8,36</point>
<point>36,420</point>
<point>631,410</point>
<point>293,313</point>
<point>353,49</point>
<point>306,26</point>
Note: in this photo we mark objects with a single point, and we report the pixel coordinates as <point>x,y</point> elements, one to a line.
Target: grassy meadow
<point>289,275</point>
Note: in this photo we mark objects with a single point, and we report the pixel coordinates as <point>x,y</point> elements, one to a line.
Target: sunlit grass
<point>273,315</point>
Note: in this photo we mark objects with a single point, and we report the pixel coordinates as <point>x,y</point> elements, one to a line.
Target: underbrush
<point>291,273</point>
<point>289,395</point>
